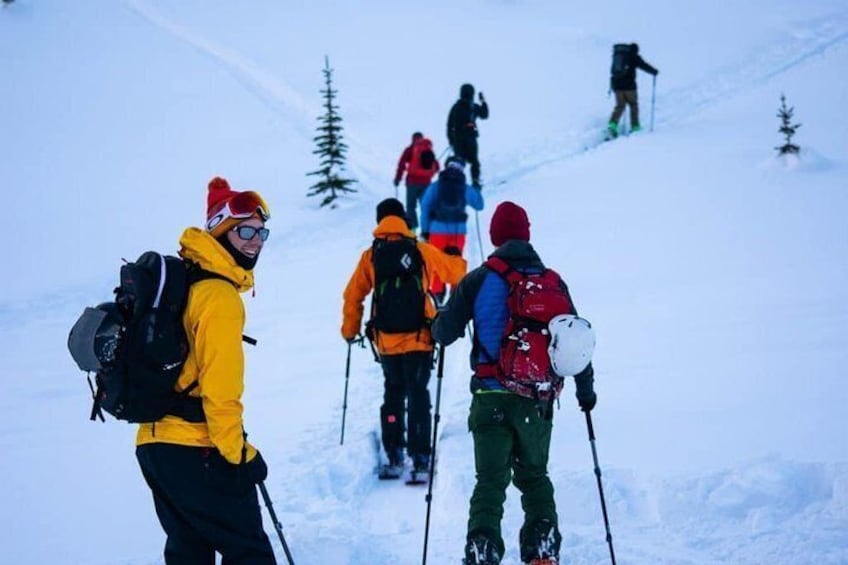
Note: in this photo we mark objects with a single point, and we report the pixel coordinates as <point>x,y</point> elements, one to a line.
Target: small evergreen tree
<point>787,128</point>
<point>331,148</point>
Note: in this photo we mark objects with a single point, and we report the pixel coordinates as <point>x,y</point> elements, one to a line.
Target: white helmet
<point>572,344</point>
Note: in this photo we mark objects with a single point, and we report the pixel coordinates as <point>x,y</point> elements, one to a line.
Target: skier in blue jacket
<point>443,215</point>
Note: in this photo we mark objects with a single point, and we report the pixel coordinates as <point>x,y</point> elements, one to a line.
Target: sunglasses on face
<point>249,232</point>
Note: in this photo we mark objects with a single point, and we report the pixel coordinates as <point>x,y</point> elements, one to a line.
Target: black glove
<point>585,394</point>
<point>656,72</point>
<point>480,95</point>
<point>425,235</point>
<point>587,402</point>
<point>453,250</point>
<point>256,469</point>
<point>397,182</point>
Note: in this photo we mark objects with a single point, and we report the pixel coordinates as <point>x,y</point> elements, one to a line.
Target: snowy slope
<point>715,275</point>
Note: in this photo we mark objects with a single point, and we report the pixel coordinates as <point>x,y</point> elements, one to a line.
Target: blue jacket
<point>481,297</point>
<point>473,198</point>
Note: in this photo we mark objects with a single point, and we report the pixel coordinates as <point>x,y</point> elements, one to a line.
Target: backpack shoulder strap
<point>195,274</point>
<point>503,269</point>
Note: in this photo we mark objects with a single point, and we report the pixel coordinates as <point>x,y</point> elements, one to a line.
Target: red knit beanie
<point>509,222</point>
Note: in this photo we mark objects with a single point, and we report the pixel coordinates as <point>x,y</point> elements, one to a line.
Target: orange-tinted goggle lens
<point>245,204</point>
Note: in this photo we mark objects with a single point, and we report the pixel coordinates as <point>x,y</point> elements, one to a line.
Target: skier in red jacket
<point>420,164</point>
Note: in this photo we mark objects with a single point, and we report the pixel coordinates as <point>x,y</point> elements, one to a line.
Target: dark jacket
<point>462,119</point>
<point>628,80</point>
<point>481,296</point>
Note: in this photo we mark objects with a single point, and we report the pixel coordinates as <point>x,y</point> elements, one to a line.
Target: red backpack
<point>524,366</point>
<point>422,164</point>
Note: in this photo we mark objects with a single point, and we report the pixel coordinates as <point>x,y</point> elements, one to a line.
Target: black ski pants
<point>406,378</point>
<point>205,505</point>
<point>466,148</point>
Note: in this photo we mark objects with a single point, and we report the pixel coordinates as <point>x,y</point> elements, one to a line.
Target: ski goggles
<point>249,232</point>
<point>241,206</point>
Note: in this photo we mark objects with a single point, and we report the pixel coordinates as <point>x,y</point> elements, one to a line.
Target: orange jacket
<point>449,268</point>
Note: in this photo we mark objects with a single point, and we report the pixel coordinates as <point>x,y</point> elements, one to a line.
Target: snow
<point>714,273</point>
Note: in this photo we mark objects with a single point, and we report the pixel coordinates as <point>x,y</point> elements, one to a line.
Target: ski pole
<point>479,239</point>
<point>277,525</point>
<point>347,380</point>
<point>440,372</point>
<point>653,99</point>
<point>600,487</point>
<point>443,152</point>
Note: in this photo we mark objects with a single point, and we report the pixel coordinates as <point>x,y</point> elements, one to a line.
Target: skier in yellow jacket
<point>399,270</point>
<point>201,470</point>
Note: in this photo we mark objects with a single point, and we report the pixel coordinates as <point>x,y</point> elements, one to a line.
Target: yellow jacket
<point>449,268</point>
<point>214,321</point>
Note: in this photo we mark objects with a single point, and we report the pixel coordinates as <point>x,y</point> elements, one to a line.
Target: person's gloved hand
<point>453,250</point>
<point>256,469</point>
<point>586,397</point>
<point>656,72</point>
<point>397,182</point>
<point>587,402</point>
<point>480,95</point>
<point>425,235</point>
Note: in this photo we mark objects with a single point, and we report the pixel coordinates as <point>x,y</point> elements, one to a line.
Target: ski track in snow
<point>274,92</point>
<point>811,39</point>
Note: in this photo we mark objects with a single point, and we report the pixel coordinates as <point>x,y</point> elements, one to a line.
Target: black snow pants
<point>466,147</point>
<point>205,505</point>
<point>406,378</point>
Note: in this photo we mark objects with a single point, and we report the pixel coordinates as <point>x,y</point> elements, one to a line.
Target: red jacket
<point>414,175</point>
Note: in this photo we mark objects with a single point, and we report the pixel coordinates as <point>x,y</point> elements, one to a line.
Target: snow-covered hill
<point>715,275</point>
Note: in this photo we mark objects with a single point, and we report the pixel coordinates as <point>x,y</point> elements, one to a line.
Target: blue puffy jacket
<point>473,198</point>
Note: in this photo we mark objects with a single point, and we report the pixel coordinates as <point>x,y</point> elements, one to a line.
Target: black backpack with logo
<point>137,345</point>
<point>397,305</point>
<point>449,204</point>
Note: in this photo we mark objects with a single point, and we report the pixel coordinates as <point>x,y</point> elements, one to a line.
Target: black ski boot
<point>394,468</point>
<point>540,543</point>
<point>480,550</point>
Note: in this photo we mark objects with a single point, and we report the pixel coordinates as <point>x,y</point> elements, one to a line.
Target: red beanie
<point>509,222</point>
<point>219,193</point>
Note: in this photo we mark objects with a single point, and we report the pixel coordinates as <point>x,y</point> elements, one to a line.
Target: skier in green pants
<point>511,423</point>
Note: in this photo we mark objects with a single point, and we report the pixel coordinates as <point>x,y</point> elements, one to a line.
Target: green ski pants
<point>511,442</point>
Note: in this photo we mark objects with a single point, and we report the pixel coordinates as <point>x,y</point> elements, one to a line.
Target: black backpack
<point>620,60</point>
<point>426,159</point>
<point>137,345</point>
<point>449,204</point>
<point>397,305</point>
